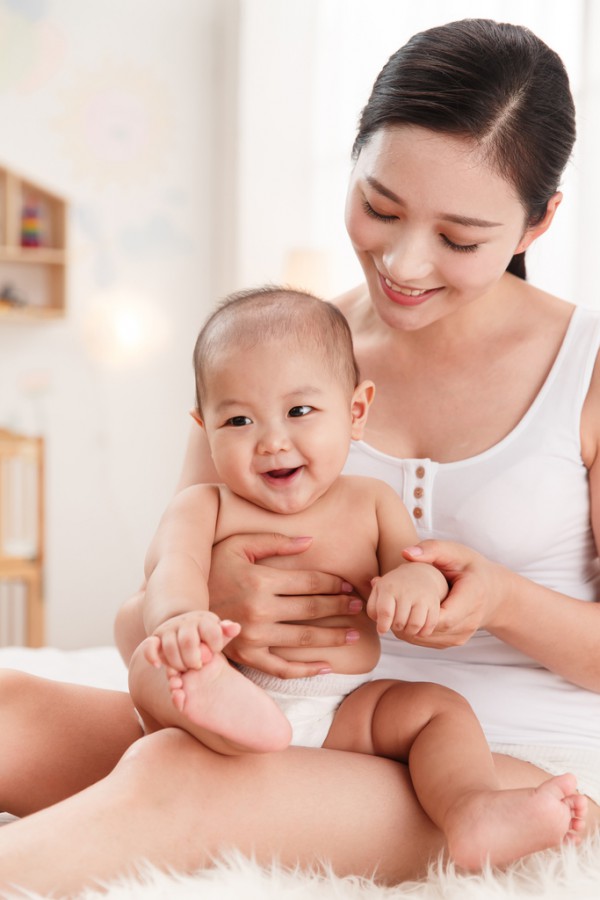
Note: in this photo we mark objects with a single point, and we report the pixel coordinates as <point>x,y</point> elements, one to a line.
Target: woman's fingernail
<point>347,587</point>
<point>352,636</point>
<point>300,540</point>
<point>355,605</point>
<point>414,551</point>
<point>326,671</point>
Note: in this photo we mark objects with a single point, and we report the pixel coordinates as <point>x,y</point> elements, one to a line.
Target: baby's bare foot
<point>501,826</point>
<point>221,700</point>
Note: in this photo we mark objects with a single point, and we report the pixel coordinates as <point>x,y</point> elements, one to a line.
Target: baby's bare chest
<point>343,529</point>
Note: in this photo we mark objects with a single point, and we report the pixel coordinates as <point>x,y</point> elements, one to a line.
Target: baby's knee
<point>444,699</point>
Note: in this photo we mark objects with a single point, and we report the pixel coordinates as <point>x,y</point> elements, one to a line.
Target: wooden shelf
<point>33,250</point>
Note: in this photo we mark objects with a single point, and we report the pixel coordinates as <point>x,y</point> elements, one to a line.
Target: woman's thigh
<point>299,806</point>
<point>57,738</point>
<point>175,803</point>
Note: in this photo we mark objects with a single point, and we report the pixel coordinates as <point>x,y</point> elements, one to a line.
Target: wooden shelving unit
<point>33,250</point>
<point>21,539</point>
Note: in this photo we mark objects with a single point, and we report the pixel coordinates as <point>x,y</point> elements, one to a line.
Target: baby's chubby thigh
<point>352,728</point>
<point>384,718</point>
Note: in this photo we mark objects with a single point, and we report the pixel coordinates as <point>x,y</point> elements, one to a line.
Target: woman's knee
<point>162,758</point>
<point>18,688</point>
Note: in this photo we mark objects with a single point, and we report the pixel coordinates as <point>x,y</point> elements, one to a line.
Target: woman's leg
<point>175,803</point>
<point>57,738</point>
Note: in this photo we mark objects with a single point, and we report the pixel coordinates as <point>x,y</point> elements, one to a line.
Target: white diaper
<point>309,704</point>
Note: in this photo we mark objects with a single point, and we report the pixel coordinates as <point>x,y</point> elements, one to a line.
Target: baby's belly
<point>348,659</point>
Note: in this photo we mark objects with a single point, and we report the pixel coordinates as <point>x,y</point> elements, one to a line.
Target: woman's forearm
<point>558,631</point>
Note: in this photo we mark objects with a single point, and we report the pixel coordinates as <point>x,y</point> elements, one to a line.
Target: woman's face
<point>433,227</point>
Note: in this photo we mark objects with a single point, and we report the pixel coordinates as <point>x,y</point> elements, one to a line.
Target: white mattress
<point>96,666</point>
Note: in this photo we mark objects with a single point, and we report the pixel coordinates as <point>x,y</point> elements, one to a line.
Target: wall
<point>114,104</point>
<point>299,106</point>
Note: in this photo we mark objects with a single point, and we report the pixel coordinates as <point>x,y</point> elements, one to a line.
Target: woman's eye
<point>375,215</point>
<point>238,421</point>
<point>297,411</point>
<point>459,248</point>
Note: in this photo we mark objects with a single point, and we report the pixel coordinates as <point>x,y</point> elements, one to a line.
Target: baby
<point>279,398</point>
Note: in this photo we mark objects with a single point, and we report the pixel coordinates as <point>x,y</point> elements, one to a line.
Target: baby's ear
<point>361,401</point>
<point>196,417</point>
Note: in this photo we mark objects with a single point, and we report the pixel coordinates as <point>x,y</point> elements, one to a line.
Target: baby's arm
<point>404,598</point>
<point>177,565</point>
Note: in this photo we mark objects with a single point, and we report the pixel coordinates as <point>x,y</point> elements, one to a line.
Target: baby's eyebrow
<point>305,389</point>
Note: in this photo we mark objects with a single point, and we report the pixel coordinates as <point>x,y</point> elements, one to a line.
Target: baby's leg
<point>221,708</point>
<point>435,731</point>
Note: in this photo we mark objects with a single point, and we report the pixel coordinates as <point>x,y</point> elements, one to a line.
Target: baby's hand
<point>189,640</point>
<point>407,600</point>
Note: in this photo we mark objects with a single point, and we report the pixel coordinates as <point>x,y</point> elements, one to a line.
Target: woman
<point>487,420</point>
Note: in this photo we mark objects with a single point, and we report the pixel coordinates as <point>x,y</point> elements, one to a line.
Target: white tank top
<point>525,504</point>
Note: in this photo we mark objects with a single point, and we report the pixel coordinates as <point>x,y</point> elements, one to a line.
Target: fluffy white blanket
<point>565,874</point>
<point>568,874</point>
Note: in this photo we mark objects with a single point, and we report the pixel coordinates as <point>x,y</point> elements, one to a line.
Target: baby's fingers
<point>152,648</point>
<point>171,653</point>
<point>381,607</point>
<point>420,620</point>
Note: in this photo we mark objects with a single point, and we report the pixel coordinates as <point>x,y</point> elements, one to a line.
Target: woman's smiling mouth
<point>405,296</point>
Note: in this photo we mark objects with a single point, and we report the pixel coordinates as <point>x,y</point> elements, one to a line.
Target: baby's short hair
<point>251,317</point>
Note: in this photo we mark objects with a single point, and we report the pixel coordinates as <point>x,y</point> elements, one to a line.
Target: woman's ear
<point>535,231</point>
<point>361,400</point>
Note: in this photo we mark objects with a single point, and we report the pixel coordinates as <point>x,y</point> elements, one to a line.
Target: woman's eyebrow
<point>446,217</point>
<point>469,220</point>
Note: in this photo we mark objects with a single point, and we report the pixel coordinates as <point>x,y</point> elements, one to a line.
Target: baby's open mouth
<point>282,473</point>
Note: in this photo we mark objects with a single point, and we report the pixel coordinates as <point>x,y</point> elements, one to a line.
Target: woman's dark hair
<point>496,83</point>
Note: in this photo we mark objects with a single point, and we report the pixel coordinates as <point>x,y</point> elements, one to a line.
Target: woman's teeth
<point>407,292</point>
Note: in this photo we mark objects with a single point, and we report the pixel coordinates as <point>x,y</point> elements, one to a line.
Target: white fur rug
<point>568,874</point>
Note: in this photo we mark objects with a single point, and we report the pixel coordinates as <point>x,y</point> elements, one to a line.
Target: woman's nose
<point>408,260</point>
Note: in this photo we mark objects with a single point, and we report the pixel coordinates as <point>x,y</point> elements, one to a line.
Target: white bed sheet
<point>95,666</point>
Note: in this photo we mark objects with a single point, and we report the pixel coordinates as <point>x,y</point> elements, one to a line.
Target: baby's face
<point>279,424</point>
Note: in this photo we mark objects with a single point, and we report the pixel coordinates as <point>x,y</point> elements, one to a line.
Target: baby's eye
<point>238,421</point>
<point>297,411</point>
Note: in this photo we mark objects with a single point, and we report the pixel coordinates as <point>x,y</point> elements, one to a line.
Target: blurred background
<point>201,146</point>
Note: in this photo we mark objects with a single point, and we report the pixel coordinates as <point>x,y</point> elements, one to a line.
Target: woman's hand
<point>477,587</point>
<point>265,600</point>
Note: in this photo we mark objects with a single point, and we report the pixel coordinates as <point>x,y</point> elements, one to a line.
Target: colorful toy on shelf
<point>31,226</point>
<point>10,296</point>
